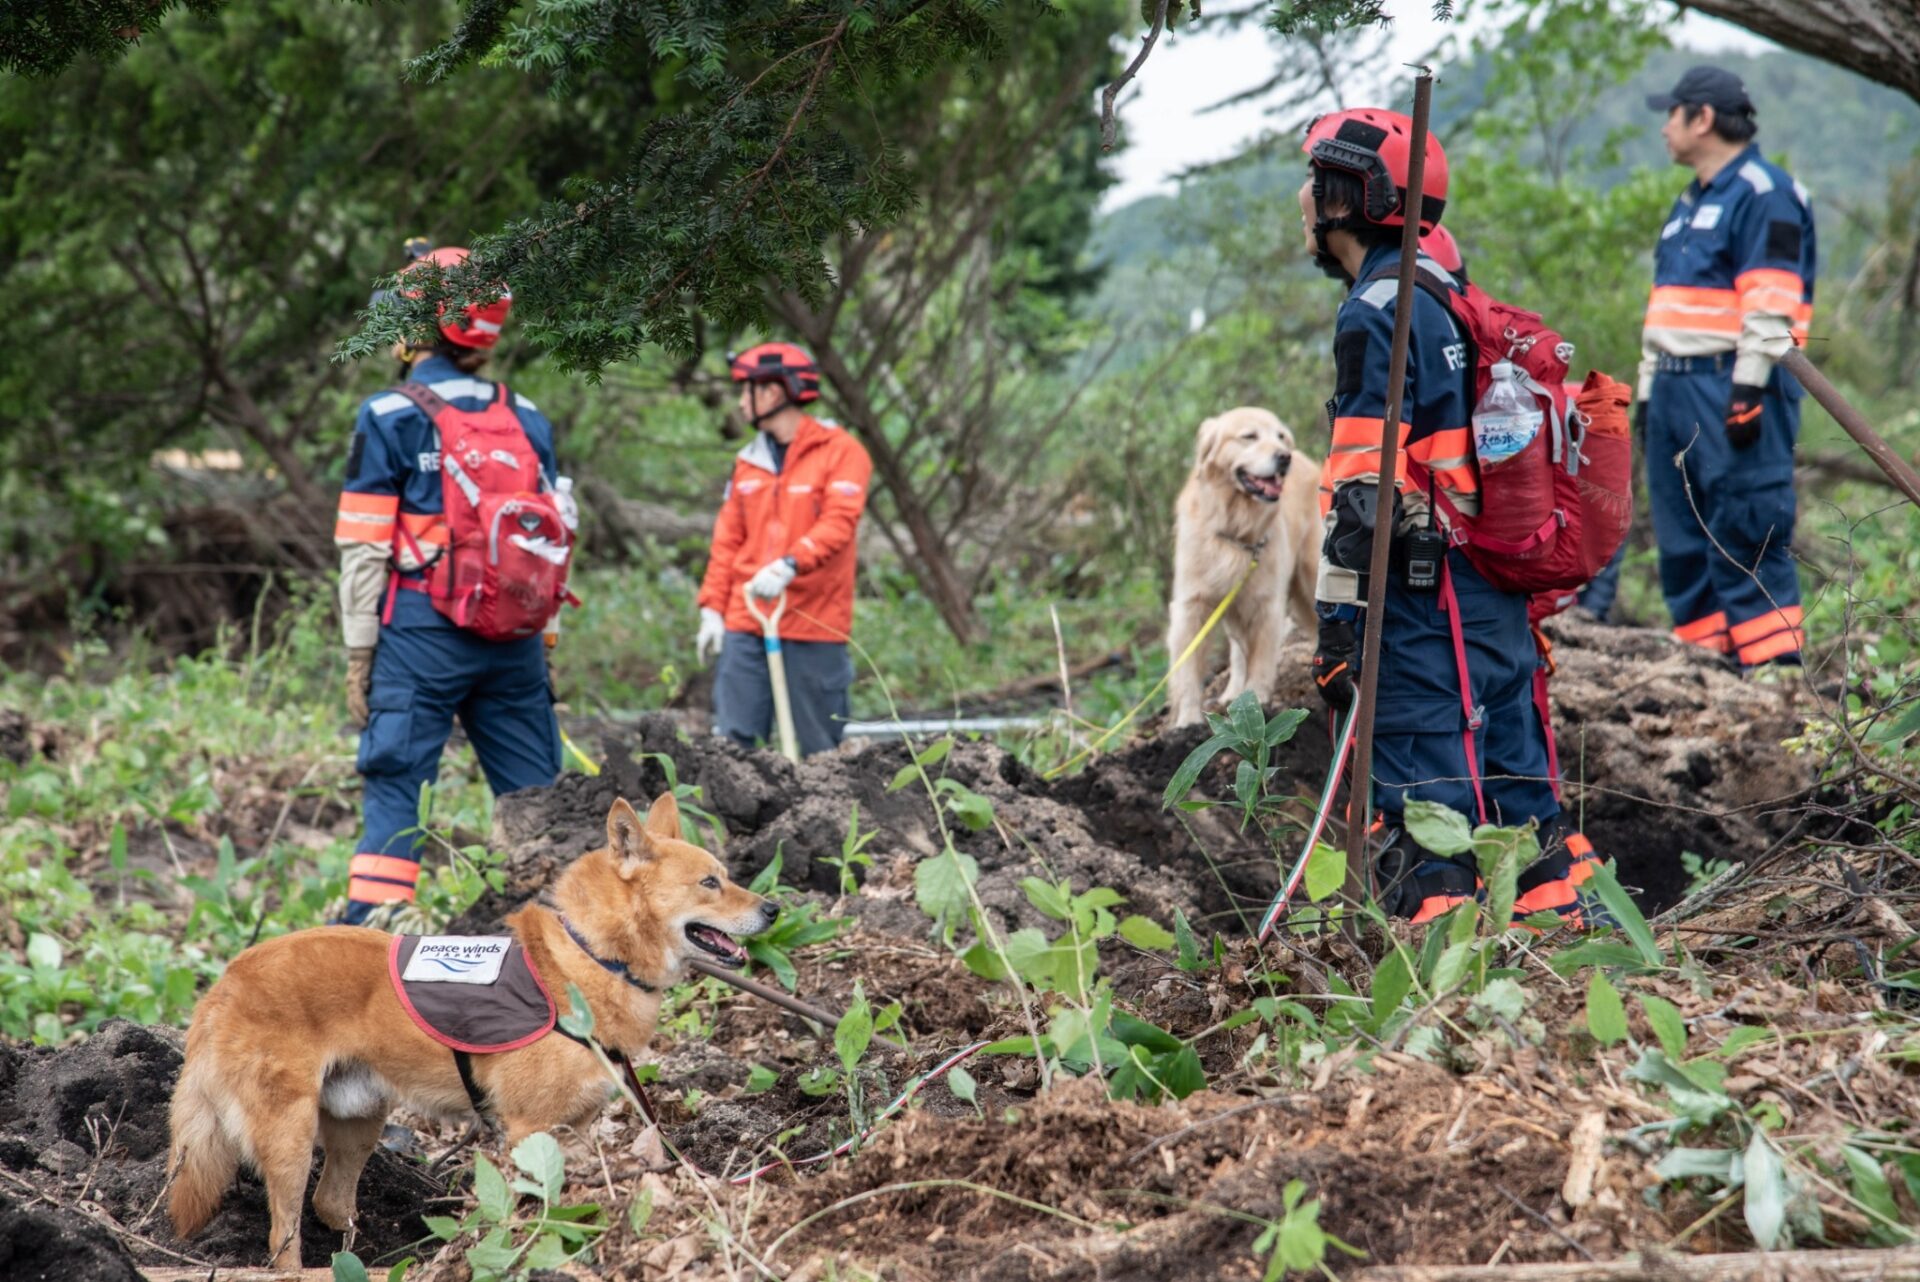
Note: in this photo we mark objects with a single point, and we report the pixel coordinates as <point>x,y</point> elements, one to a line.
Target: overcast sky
<point>1166,133</point>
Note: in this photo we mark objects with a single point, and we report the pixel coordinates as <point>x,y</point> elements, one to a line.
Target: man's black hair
<point>1733,126</point>
<point>1342,189</point>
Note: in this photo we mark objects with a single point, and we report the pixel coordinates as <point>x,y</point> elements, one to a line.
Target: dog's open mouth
<point>719,943</point>
<point>1264,488</point>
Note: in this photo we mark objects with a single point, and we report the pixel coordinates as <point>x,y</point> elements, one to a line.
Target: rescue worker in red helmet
<point>410,669</point>
<point>788,526</point>
<point>1732,287</point>
<point>1353,209</point>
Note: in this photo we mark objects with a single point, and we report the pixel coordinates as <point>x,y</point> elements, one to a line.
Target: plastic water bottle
<point>564,500</point>
<point>1507,418</point>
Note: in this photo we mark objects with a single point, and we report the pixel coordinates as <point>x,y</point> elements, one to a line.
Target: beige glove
<point>359,681</point>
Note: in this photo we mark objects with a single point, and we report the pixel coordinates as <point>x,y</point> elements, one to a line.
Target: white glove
<point>772,578</point>
<point>713,630</point>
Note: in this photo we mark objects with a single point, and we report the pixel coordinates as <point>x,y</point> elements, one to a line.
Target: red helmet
<point>782,363</point>
<point>1442,248</point>
<point>1377,147</point>
<point>478,324</point>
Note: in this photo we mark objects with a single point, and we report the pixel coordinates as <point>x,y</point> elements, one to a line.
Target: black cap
<point>1705,87</point>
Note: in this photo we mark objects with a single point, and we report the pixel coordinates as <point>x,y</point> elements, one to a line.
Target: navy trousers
<point>426,672</point>
<point>1724,517</point>
<point>818,676</point>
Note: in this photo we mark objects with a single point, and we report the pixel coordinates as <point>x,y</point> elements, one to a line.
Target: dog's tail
<point>204,1158</point>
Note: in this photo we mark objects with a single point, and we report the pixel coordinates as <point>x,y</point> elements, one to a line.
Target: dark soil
<point>1663,748</point>
<point>47,1244</point>
<point>93,1117</point>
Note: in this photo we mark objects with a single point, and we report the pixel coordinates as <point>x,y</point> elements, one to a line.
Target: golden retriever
<point>1250,494</point>
<point>304,1037</point>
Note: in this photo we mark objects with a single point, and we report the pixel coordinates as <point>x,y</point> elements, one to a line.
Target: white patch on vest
<point>846,487</point>
<point>1757,177</point>
<point>1800,190</point>
<point>503,458</point>
<point>748,485</point>
<point>524,403</point>
<point>799,489</point>
<point>1672,228</point>
<point>1434,269</point>
<point>352,1090</point>
<point>462,388</point>
<point>457,959</point>
<point>1707,217</point>
<point>391,403</point>
<point>1378,293</point>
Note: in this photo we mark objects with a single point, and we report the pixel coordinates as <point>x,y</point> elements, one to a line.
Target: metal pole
<point>1898,470</point>
<point>805,1010</point>
<point>1360,793</point>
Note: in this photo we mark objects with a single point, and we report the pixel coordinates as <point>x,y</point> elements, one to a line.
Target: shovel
<point>777,673</point>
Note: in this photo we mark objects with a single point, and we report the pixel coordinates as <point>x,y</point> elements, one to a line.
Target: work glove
<point>1336,663</point>
<point>1743,416</point>
<point>713,631</point>
<point>772,578</point>
<point>359,681</point>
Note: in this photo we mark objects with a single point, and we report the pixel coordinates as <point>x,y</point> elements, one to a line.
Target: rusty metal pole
<point>1898,470</point>
<point>1360,791</point>
<point>806,1010</point>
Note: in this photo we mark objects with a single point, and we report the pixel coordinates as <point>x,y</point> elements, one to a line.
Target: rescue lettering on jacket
<point>1733,270</point>
<point>393,467</point>
<point>807,506</point>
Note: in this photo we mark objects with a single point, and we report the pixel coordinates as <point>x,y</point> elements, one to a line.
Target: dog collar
<point>619,968</point>
<point>1251,549</point>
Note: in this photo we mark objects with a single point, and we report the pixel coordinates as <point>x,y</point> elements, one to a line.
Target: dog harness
<point>474,994</point>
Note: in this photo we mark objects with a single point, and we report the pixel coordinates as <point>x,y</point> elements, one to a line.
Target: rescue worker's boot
<point>1552,884</point>
<point>1417,884</point>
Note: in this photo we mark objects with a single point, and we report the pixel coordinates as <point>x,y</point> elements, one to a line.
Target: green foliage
<point>1247,731</point>
<point>798,926</point>
<point>1296,1241</point>
<point>501,1241</point>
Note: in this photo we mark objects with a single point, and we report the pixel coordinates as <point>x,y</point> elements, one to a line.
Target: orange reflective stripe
<point>1788,642</point>
<point>1344,467</point>
<point>1546,897</point>
<point>365,518</point>
<point>1434,906</point>
<point>425,528</point>
<point>384,866</point>
<point>1704,631</point>
<point>1688,307</point>
<point>1578,846</point>
<point>1363,433</point>
<point>1437,447</point>
<point>1769,289</point>
<point>1787,616</point>
<point>367,891</point>
<point>1582,871</point>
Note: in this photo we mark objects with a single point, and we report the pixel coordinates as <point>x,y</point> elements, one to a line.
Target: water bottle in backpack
<point>1508,417</point>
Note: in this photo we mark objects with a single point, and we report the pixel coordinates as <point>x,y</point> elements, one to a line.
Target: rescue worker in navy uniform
<point>1732,285</point>
<point>1352,210</point>
<point>410,672</point>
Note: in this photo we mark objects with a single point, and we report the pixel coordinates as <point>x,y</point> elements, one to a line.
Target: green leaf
<point>1767,1193</point>
<point>854,1033</point>
<point>941,887</point>
<point>1740,1040</point>
<point>1594,952</point>
<point>1144,932</point>
<point>1130,1030</point>
<point>548,1252</point>
<point>961,1083</point>
<point>1874,1192</point>
<point>974,811</point>
<point>1443,831</point>
<point>490,1190</point>
<point>1502,998</point>
<point>1187,955</point>
<point>43,952</point>
<point>1606,1013</point>
<point>767,878</point>
<point>1668,1028</point>
<point>1050,899</point>
<point>1246,785</point>
<point>1632,922</point>
<point>441,1226</point>
<point>775,959</point>
<point>1010,1046</point>
<point>1181,1073</point>
<point>903,776</point>
<point>640,1210</point>
<point>760,1078</point>
<point>1248,721</point>
<point>1697,1163</point>
<point>579,1017</point>
<point>984,962</point>
<point>540,1158</point>
<point>1326,871</point>
<point>347,1268</point>
<point>1392,981</point>
<point>936,752</point>
<point>1282,724</point>
<point>1500,854</point>
<point>1189,772</point>
<point>399,1271</point>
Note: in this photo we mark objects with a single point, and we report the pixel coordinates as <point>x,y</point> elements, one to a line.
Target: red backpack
<point>503,573</point>
<point>1552,515</point>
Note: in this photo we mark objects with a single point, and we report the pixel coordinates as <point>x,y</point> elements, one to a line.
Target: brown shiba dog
<point>304,1039</point>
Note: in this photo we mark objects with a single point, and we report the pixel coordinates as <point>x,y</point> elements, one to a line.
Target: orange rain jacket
<point>808,510</point>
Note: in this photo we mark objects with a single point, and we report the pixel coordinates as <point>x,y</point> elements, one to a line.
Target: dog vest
<point>473,993</point>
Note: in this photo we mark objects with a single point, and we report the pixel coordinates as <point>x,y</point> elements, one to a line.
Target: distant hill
<point>1839,134</point>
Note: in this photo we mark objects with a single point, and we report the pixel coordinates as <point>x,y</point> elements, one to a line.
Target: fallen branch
<point>1901,1264</point>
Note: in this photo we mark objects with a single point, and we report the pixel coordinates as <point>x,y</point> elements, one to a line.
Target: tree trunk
<point>1880,39</point>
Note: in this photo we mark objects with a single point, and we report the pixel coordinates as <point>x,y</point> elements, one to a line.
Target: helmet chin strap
<point>1323,256</point>
<point>786,399</point>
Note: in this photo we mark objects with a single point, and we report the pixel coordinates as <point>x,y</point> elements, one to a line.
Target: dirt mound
<point>90,1120</point>
<point>39,1244</point>
<point>1664,750</point>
